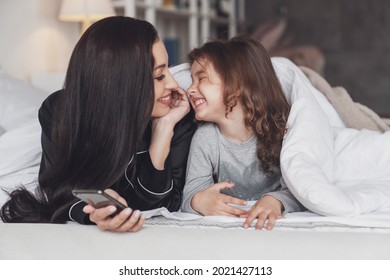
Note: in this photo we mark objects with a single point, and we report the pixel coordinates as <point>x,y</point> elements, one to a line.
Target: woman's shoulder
<point>47,109</point>
<point>51,100</point>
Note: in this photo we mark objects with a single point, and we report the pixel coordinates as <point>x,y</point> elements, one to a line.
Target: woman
<point>120,123</point>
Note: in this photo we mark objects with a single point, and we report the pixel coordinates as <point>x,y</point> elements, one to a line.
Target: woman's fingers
<point>180,93</point>
<point>115,195</point>
<point>112,193</point>
<point>179,97</point>
<point>98,215</point>
<point>126,220</point>
<point>116,222</point>
<point>138,225</point>
<point>133,223</point>
<point>88,209</point>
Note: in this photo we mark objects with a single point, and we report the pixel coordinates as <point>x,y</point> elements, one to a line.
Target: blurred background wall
<point>350,37</point>
<point>32,39</point>
<point>353,36</point>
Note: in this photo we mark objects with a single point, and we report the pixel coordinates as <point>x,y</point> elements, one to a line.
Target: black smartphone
<point>99,199</point>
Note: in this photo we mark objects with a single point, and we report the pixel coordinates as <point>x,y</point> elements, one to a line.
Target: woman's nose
<point>171,82</point>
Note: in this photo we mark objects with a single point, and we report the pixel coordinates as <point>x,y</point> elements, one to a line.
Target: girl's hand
<point>265,208</point>
<point>126,220</point>
<point>210,202</point>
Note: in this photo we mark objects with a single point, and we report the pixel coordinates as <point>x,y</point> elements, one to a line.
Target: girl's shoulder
<point>206,133</point>
<point>207,129</point>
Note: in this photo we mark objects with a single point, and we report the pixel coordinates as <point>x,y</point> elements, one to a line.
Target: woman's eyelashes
<point>161,77</point>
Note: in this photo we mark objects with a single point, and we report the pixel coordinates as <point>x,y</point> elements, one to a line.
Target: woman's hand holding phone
<point>126,221</point>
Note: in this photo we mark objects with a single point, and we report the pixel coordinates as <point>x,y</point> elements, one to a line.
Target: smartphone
<point>99,199</point>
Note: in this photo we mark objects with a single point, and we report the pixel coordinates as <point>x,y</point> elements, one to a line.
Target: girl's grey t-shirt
<point>214,158</point>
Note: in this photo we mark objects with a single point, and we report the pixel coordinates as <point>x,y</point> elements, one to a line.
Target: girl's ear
<point>231,102</point>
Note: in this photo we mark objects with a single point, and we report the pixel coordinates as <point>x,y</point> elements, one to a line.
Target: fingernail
<point>111,209</point>
<point>127,211</point>
<point>136,213</point>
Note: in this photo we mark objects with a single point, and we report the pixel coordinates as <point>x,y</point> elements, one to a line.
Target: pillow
<point>19,102</point>
<point>354,115</point>
<point>20,147</point>
<point>20,151</point>
<point>182,74</point>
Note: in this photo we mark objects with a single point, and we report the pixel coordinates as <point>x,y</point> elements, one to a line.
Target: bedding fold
<point>332,170</point>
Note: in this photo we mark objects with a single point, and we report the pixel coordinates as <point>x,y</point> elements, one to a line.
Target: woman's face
<point>164,83</point>
<point>206,92</point>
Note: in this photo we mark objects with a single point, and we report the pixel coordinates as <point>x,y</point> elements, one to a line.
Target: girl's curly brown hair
<point>249,77</point>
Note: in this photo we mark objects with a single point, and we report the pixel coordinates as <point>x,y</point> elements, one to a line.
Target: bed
<point>316,235</point>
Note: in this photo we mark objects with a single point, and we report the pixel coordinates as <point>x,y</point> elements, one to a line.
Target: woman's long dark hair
<point>248,76</point>
<point>100,118</point>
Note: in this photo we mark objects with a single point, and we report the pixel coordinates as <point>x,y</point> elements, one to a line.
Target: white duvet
<point>332,170</point>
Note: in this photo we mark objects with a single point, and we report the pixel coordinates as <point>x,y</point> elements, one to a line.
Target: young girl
<point>234,156</point>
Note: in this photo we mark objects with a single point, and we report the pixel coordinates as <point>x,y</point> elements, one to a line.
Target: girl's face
<point>206,92</point>
<point>164,83</point>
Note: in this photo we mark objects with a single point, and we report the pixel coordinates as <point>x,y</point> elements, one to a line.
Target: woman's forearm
<point>162,133</point>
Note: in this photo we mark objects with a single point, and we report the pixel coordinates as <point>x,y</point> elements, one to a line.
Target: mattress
<point>186,236</point>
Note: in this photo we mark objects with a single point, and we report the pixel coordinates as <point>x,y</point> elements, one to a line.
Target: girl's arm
<point>201,194</point>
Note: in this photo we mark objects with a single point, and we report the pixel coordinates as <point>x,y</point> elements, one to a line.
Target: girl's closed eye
<point>161,77</point>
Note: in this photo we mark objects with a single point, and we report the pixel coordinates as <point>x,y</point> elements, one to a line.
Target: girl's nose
<point>191,90</point>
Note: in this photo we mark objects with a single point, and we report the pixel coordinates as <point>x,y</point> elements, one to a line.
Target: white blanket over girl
<point>331,169</point>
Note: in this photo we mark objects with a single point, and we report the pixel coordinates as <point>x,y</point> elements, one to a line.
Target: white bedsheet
<point>377,221</point>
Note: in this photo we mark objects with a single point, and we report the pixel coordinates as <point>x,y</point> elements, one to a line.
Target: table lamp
<point>85,11</point>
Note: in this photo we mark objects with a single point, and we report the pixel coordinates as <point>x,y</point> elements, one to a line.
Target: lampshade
<point>85,11</point>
